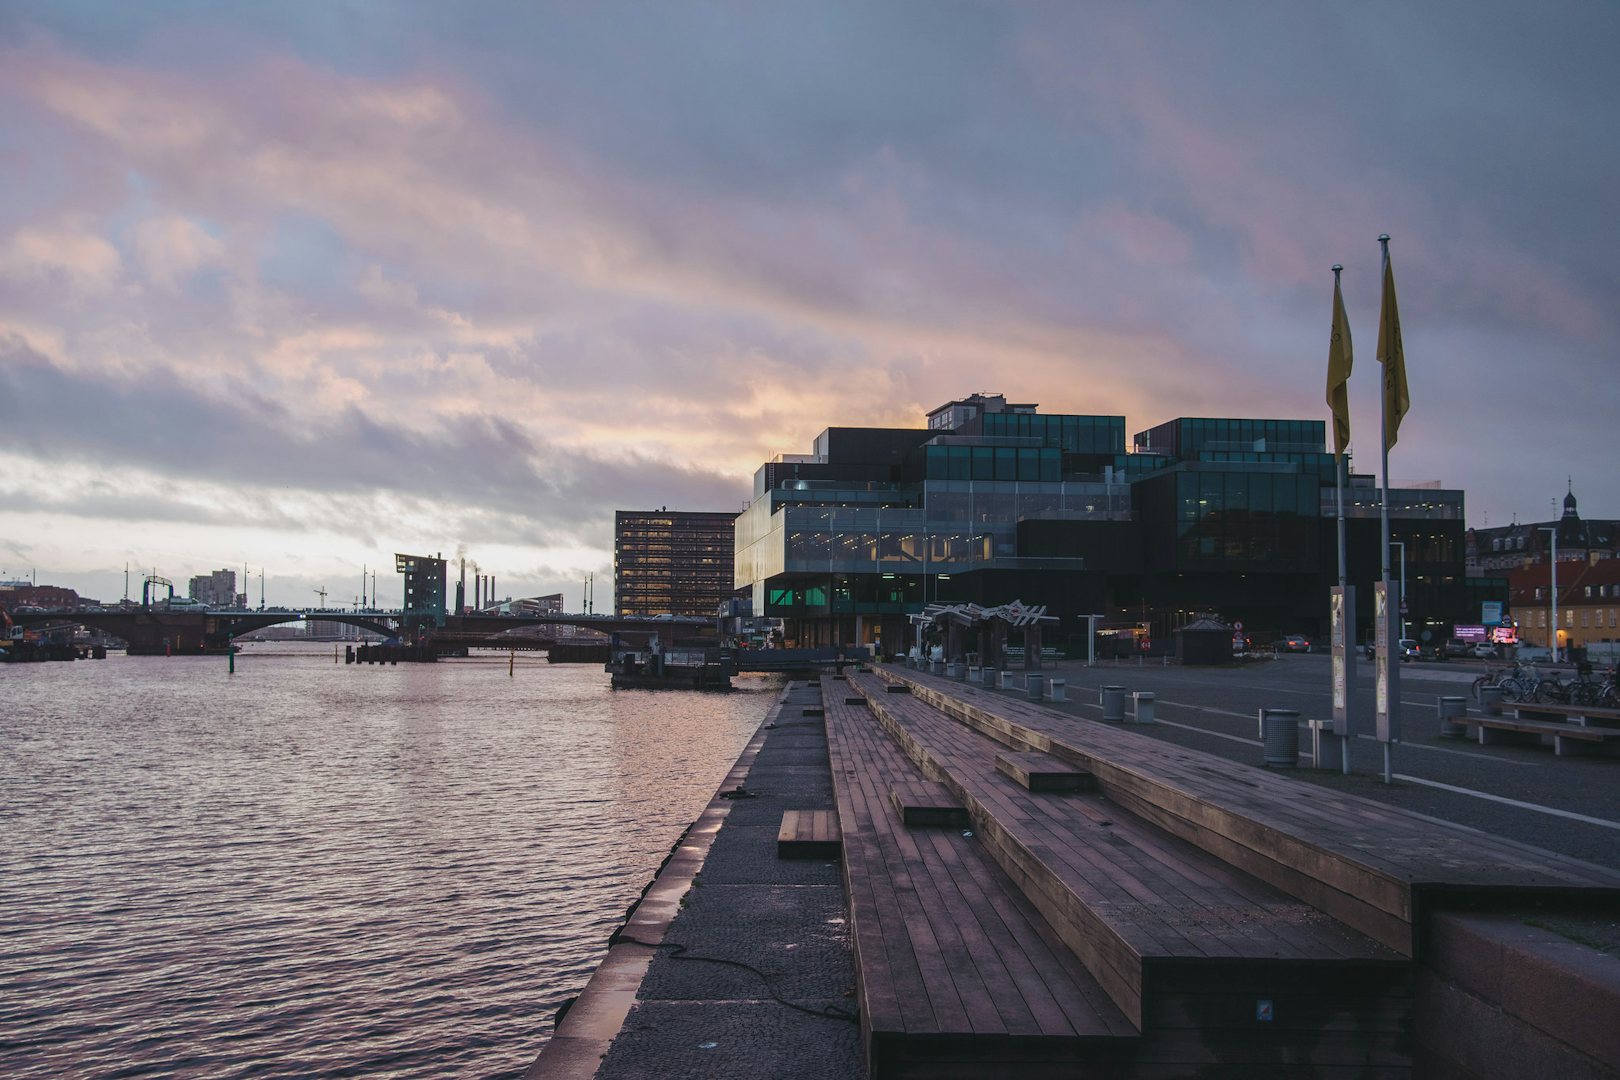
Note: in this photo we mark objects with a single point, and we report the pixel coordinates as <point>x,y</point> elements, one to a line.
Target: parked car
<point>1456,647</point>
<point>1484,650</point>
<point>1534,654</point>
<point>1296,643</point>
<point>1409,649</point>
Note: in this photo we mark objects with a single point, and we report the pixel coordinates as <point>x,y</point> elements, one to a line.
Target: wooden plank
<point>1035,771</point>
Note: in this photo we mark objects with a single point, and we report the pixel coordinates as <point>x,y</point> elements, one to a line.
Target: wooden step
<point>809,834</point>
<point>1036,771</point>
<point>928,803</point>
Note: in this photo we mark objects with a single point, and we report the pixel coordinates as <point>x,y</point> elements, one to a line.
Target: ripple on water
<point>319,870</point>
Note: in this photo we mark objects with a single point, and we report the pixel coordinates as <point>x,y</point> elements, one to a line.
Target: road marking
<point>1554,811</point>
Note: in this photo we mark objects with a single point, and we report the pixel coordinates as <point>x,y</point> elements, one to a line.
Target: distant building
<point>217,590</point>
<point>672,562</point>
<point>423,605</point>
<point>1588,608</point>
<point>17,594</point>
<point>1506,548</point>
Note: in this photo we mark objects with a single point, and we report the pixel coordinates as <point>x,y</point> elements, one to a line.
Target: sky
<point>296,286</point>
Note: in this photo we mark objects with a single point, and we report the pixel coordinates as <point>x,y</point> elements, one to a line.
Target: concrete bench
<point>1567,739</point>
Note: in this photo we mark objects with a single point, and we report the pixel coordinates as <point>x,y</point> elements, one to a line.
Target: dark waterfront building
<point>671,562</point>
<point>424,590</point>
<point>994,502</point>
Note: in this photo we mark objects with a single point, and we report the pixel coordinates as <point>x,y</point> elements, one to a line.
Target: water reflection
<point>313,869</point>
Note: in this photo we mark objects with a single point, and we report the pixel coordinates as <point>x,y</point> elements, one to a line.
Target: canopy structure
<point>982,631</point>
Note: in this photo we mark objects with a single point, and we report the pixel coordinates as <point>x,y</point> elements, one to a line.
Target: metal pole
<point>1389,659</point>
<point>1402,545</point>
<point>1552,594</point>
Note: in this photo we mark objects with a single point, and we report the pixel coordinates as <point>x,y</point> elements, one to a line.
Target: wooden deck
<point>957,969</point>
<point>1370,866</point>
<point>1170,931</point>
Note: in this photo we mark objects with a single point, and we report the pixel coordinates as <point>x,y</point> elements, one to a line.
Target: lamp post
<point>1552,593</point>
<point>1402,545</point>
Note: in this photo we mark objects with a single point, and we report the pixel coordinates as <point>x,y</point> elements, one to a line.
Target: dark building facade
<point>424,605</point>
<point>671,562</point>
<point>994,502</point>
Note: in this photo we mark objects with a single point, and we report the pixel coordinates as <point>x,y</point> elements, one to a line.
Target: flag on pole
<point>1338,379</point>
<point>1396,400</point>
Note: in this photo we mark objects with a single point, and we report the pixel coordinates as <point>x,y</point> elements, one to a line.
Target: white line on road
<point>1554,811</point>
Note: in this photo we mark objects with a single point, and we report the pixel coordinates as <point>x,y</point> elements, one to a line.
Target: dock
<point>1032,893</point>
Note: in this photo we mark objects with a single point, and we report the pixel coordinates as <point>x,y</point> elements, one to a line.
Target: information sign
<point>1342,643</point>
<point>1387,677</point>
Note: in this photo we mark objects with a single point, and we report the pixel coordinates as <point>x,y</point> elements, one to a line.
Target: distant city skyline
<point>306,285</point>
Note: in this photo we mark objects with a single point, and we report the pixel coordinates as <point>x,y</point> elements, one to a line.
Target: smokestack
<point>461,587</point>
<point>478,592</point>
<point>492,588</point>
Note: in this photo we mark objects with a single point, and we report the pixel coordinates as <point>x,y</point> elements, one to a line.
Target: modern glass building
<point>671,562</point>
<point>993,502</point>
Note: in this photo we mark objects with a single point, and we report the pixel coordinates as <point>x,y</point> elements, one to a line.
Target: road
<point>1570,804</point>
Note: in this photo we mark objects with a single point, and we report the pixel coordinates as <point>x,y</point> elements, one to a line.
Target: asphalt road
<point>1570,804</point>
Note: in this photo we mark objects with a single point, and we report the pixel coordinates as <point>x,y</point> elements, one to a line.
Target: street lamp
<point>1402,545</point>
<point>1552,593</point>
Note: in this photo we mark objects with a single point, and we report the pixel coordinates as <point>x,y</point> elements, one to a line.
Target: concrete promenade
<point>740,963</point>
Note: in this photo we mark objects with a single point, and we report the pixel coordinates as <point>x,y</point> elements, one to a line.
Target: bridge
<point>160,630</point>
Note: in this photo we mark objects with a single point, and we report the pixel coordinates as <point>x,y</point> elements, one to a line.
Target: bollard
<point>1058,691</point>
<point>1490,700</point>
<point>1113,704</point>
<point>1144,706</point>
<point>1452,710</point>
<point>1280,734</point>
<point>1033,685</point>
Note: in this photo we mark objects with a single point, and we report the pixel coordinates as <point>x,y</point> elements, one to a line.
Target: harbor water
<point>313,869</point>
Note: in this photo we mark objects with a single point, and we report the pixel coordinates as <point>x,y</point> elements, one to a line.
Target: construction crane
<point>321,592</point>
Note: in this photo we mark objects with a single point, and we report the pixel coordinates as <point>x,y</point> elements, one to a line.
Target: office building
<point>217,590</point>
<point>671,562</point>
<point>993,502</point>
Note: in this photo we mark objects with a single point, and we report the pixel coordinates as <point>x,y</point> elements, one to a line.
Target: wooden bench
<point>809,834</point>
<point>1568,739</point>
<point>1169,931</point>
<point>1368,865</point>
<point>955,967</point>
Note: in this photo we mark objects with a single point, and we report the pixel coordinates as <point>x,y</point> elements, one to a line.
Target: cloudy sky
<point>300,285</point>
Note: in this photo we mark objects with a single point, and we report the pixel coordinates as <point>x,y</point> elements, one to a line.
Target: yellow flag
<point>1338,381</point>
<point>1396,400</point>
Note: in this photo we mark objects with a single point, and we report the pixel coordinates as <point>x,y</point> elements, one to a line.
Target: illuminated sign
<point>1471,634</point>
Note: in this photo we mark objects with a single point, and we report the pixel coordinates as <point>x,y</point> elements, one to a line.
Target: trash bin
<point>1490,700</point>
<point>1452,710</point>
<point>936,667</point>
<point>1144,706</point>
<point>1058,690</point>
<point>953,670</point>
<point>1113,704</point>
<point>1034,685</point>
<point>1280,738</point>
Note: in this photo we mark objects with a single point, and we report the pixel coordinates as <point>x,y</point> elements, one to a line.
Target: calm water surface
<point>309,869</point>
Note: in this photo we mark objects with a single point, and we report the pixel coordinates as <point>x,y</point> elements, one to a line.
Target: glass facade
<point>672,562</point>
<point>1189,436</point>
<point>1072,434</point>
<point>1006,463</point>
